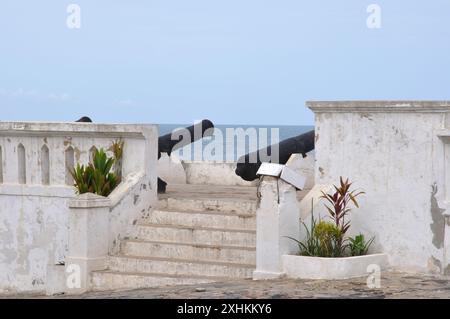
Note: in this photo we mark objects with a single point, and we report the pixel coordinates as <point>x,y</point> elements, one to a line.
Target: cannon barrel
<point>166,143</point>
<point>300,144</point>
<point>180,138</point>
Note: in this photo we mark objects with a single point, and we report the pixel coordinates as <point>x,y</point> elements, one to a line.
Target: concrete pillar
<point>88,240</point>
<point>277,216</point>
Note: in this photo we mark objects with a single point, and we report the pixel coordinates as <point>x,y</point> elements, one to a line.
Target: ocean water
<point>229,142</point>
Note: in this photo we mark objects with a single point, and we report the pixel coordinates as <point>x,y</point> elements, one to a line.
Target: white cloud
<point>20,92</point>
<point>33,93</point>
<point>28,95</point>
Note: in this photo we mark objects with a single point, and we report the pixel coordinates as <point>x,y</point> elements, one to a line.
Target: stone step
<point>198,235</point>
<point>179,267</point>
<point>113,280</point>
<point>245,255</point>
<point>202,219</point>
<point>210,191</point>
<point>238,205</point>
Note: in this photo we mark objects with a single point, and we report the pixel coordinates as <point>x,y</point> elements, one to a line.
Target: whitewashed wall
<point>395,152</point>
<point>213,173</point>
<point>34,210</point>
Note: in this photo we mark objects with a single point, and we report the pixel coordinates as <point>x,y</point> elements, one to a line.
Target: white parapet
<point>397,152</point>
<point>213,173</point>
<point>36,188</point>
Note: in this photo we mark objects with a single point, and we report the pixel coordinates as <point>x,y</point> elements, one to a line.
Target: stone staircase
<point>198,234</point>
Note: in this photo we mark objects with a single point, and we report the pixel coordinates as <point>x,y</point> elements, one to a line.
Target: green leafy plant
<point>323,239</point>
<point>358,245</point>
<point>330,239</point>
<point>96,177</point>
<point>311,245</point>
<point>83,176</point>
<point>327,239</point>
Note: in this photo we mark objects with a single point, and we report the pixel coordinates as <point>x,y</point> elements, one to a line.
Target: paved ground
<point>393,285</point>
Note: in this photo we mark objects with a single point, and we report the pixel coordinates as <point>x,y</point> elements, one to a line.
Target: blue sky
<point>234,62</point>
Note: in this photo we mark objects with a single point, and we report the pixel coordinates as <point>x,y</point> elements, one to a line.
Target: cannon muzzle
<point>247,166</point>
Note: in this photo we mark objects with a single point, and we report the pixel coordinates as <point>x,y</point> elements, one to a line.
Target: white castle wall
<point>398,152</point>
<point>35,188</point>
<point>395,152</point>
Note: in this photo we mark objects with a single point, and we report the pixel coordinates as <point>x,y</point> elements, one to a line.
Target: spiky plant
<point>358,245</point>
<point>96,177</point>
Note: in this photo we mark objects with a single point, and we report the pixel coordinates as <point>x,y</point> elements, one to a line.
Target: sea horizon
<point>228,142</point>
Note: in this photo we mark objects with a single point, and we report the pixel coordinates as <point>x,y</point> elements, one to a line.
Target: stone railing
<point>37,196</point>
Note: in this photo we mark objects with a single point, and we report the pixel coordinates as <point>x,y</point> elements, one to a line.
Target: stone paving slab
<point>393,285</point>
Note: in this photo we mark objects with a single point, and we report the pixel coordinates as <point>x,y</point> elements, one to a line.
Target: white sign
<point>270,169</point>
<point>283,172</point>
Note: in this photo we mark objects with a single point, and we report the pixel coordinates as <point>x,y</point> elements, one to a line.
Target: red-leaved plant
<point>339,201</point>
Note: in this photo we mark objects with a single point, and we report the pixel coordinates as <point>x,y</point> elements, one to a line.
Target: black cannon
<point>184,136</point>
<point>180,138</point>
<point>249,164</point>
<point>84,119</point>
<point>175,140</point>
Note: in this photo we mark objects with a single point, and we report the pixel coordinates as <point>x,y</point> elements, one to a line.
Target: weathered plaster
<point>391,150</point>
<point>34,217</point>
<point>438,224</point>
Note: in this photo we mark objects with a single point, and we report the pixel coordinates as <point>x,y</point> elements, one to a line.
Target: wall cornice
<point>379,106</point>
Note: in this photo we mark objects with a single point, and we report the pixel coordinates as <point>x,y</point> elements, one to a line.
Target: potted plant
<point>327,252</point>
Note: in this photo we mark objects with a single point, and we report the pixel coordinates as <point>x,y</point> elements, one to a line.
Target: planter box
<point>303,267</point>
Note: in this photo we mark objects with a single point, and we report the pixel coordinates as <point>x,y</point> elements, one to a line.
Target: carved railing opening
<point>21,161</point>
<point>45,165</point>
<point>70,163</point>
<point>92,151</point>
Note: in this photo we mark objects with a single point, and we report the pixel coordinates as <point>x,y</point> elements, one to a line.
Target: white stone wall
<point>392,151</point>
<point>34,194</point>
<point>213,173</point>
<point>175,171</point>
